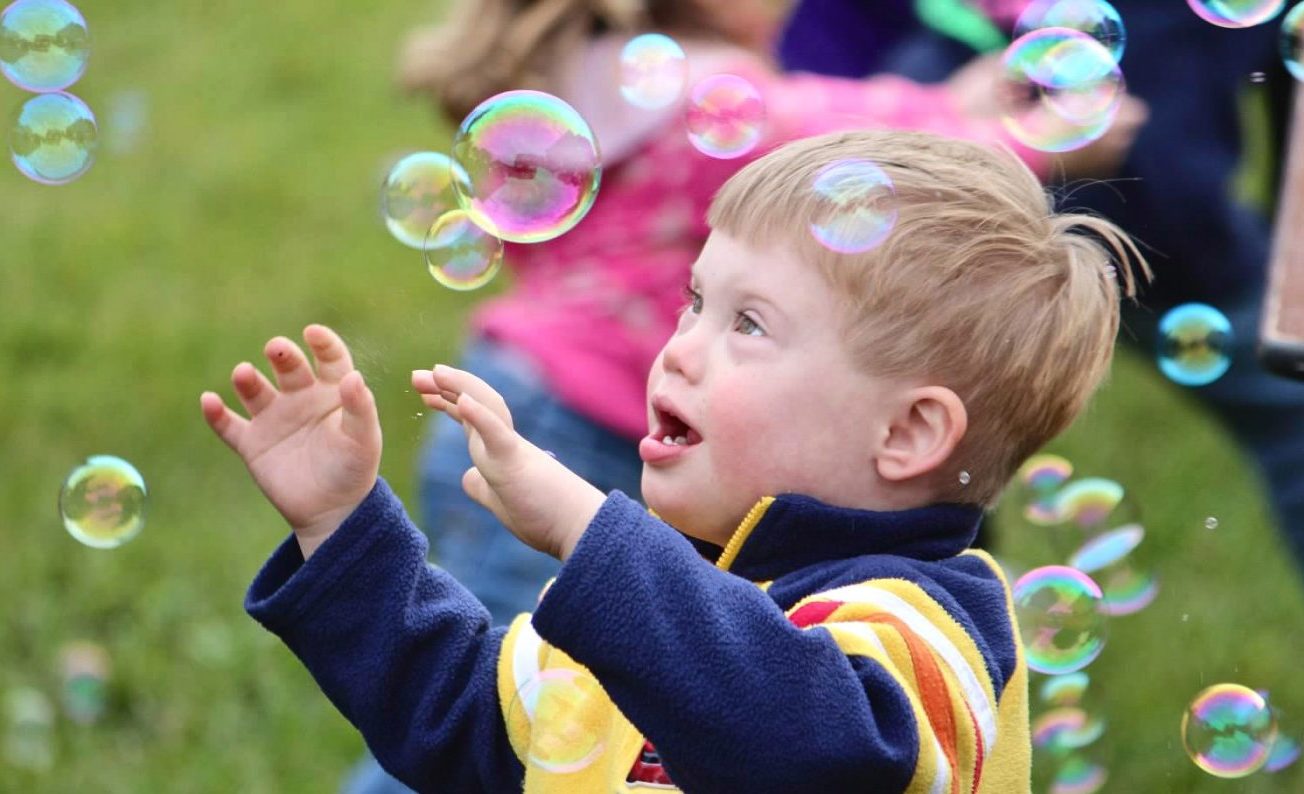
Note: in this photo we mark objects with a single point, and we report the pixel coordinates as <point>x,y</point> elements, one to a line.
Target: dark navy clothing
<point>703,662</point>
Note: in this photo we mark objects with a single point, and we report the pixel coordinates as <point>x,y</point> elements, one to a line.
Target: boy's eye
<point>747,325</point>
<point>694,299</point>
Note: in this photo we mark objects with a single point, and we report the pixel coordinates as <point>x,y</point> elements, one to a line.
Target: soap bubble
<point>653,71</point>
<point>1039,478</point>
<point>725,116</point>
<point>53,138</point>
<point>85,673</point>
<point>1096,18</point>
<point>417,190</point>
<point>103,502</point>
<point>532,166</point>
<point>569,717</point>
<point>1127,590</point>
<point>1228,730</point>
<point>459,254</point>
<point>856,207</point>
<point>1108,548</point>
<point>1065,690</point>
<point>1211,522</point>
<point>1078,775</point>
<point>1285,752</point>
<point>1060,622</point>
<point>1090,503</point>
<point>1059,89</point>
<point>1195,344</point>
<point>1292,41</point>
<point>1236,13</point>
<point>1063,729</point>
<point>44,44</point>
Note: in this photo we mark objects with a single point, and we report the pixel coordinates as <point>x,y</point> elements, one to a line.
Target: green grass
<point>248,209</point>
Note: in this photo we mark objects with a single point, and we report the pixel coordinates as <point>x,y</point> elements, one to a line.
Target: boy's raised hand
<point>541,501</point>
<point>312,442</point>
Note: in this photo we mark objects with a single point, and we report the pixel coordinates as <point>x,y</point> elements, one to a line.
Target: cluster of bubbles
<point>103,502</point>
<point>569,720</point>
<point>44,46</point>
<point>1195,344</point>
<point>1060,83</point>
<point>1097,527</point>
<point>1062,733</point>
<point>524,168</point>
<point>29,715</point>
<point>1063,613</point>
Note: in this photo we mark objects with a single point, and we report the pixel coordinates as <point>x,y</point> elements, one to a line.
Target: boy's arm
<point>403,651</point>
<point>736,697</point>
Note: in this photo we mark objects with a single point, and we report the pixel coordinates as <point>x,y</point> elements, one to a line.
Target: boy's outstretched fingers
<point>358,418</point>
<point>225,423</point>
<point>252,387</point>
<point>450,382</point>
<point>289,364</point>
<point>499,438</point>
<point>329,351</point>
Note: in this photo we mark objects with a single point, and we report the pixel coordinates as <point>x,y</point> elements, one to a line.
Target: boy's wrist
<point>311,536</point>
<point>587,501</point>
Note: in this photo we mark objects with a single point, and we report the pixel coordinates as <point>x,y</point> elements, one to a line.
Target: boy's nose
<point>682,355</point>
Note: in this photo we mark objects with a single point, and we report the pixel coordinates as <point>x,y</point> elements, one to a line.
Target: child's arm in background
<point>400,648</point>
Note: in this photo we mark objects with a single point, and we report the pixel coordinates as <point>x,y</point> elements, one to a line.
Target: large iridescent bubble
<point>53,138</point>
<point>653,71</point>
<point>532,166</point>
<point>1096,18</point>
<point>102,502</point>
<point>856,206</point>
<point>1236,13</point>
<point>1060,622</point>
<point>1059,89</point>
<point>1228,730</point>
<point>418,189</point>
<point>725,116</point>
<point>44,45</point>
<point>1195,344</point>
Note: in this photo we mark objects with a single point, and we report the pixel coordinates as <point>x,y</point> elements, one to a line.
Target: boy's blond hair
<point>981,286</point>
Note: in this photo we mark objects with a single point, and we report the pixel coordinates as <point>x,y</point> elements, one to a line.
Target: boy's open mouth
<point>673,431</point>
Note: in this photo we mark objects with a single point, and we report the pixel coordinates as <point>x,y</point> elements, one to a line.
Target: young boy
<point>800,612</point>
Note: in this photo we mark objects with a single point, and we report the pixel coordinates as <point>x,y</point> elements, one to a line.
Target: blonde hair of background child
<point>488,46</point>
<point>981,286</point>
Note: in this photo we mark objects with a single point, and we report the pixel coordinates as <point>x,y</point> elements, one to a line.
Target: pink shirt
<point>593,307</point>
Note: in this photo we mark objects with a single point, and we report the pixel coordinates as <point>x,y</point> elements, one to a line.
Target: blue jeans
<point>466,539</point>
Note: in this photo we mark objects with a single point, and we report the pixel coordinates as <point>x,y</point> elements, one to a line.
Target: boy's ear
<point>923,435</point>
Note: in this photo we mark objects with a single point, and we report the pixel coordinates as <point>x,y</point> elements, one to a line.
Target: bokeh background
<point>235,198</point>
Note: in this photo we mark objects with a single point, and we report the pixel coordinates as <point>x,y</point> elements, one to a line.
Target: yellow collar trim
<point>743,531</point>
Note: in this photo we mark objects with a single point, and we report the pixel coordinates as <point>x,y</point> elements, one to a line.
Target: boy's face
<point>759,382</point>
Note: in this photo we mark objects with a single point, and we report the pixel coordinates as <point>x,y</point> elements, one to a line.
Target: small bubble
<point>964,478</point>
<point>1211,523</point>
<point>1257,77</point>
<point>1186,616</point>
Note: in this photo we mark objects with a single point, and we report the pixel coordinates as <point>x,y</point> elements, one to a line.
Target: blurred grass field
<point>247,207</point>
